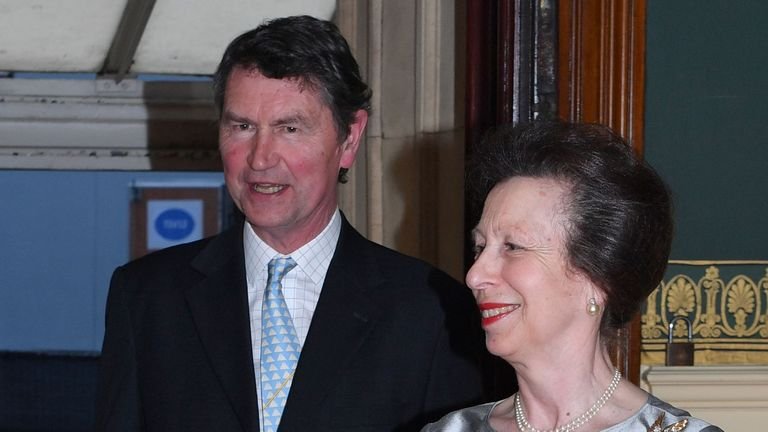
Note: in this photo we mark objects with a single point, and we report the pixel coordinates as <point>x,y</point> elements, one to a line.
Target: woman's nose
<point>478,276</point>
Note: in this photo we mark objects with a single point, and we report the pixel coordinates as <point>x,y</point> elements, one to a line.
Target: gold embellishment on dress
<point>674,427</point>
<point>656,426</point>
<point>677,426</point>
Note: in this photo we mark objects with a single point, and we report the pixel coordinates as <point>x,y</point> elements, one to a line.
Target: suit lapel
<point>346,312</point>
<point>219,306</point>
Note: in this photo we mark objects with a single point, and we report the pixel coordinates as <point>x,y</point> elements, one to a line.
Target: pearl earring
<point>592,307</point>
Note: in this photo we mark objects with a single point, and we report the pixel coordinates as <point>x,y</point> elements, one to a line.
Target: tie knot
<point>278,267</point>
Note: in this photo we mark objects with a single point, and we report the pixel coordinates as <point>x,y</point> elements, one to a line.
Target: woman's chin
<point>498,348</point>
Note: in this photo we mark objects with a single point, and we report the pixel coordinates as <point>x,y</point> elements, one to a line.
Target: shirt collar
<point>313,258</point>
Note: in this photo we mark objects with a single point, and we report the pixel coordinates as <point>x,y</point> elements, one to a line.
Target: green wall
<point>707,122</point>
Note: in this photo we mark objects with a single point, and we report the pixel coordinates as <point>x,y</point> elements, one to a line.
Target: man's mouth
<point>268,188</point>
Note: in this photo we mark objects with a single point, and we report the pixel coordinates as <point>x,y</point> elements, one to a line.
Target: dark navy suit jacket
<point>393,343</point>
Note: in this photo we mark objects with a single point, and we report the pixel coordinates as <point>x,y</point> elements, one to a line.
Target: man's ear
<point>352,143</point>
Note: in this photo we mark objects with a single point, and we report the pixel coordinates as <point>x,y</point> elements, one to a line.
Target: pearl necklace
<point>524,426</point>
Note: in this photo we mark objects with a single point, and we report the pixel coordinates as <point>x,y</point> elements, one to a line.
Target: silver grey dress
<point>655,416</point>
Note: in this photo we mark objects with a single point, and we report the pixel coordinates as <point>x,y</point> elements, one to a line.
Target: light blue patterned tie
<point>279,346</point>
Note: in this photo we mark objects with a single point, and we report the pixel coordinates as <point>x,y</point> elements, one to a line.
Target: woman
<point>575,233</point>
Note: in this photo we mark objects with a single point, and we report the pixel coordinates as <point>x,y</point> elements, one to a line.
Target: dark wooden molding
<point>511,65</point>
<point>480,94</point>
<point>601,79</point>
<point>601,69</point>
<point>481,70</point>
<point>511,57</point>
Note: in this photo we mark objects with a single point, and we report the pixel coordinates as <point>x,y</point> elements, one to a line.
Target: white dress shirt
<point>301,285</point>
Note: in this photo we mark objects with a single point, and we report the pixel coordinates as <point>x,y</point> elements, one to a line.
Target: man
<point>384,342</point>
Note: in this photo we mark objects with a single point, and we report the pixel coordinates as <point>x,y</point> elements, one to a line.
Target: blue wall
<point>62,234</point>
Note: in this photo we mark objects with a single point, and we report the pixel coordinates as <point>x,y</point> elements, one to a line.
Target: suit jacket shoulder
<point>393,343</point>
<point>198,258</point>
<point>177,349</point>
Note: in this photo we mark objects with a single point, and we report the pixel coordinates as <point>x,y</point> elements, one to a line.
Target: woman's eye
<point>291,129</point>
<point>477,250</point>
<point>511,246</point>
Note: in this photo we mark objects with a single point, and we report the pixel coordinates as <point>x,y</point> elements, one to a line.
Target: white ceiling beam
<point>126,40</point>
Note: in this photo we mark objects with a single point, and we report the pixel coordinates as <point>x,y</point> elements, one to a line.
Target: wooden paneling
<point>601,77</point>
<point>602,64</point>
<point>510,75</point>
<point>481,69</point>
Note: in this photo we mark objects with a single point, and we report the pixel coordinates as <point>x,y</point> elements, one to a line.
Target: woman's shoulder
<point>667,415</point>
<point>474,418</point>
<point>659,416</point>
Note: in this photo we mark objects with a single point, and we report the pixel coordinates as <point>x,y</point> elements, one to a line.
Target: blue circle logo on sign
<point>174,224</point>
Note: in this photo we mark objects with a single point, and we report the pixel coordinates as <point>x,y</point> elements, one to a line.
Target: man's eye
<point>291,129</point>
<point>240,127</point>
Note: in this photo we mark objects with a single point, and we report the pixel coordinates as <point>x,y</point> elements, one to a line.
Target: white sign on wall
<point>173,222</point>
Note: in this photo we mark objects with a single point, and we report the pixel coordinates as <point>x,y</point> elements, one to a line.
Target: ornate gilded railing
<point>726,303</point>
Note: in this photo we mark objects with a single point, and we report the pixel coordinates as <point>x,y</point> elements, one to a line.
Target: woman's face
<point>528,297</point>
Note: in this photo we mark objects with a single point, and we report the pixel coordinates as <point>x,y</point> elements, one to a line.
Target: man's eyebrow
<point>230,116</point>
<point>291,119</point>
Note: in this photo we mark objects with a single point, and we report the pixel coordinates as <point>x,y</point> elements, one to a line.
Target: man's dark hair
<point>619,211</point>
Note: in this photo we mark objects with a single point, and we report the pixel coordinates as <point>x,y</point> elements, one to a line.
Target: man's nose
<point>262,153</point>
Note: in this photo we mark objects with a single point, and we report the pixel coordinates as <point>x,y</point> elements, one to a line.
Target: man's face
<point>281,156</point>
